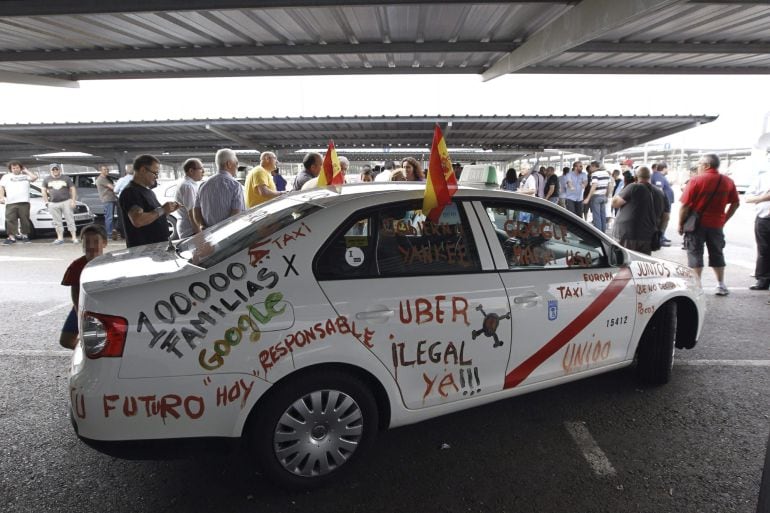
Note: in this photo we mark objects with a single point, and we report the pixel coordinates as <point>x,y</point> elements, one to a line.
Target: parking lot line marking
<point>593,454</point>
<point>726,363</point>
<point>52,309</point>
<point>33,352</point>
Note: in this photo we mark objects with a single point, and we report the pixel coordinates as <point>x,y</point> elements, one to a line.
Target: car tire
<point>32,232</point>
<point>655,355</point>
<point>311,429</point>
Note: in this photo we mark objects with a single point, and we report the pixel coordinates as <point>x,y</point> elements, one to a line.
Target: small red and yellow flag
<point>441,183</point>
<point>331,173</point>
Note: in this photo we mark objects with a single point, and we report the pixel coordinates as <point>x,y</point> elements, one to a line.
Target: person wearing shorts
<point>708,193</point>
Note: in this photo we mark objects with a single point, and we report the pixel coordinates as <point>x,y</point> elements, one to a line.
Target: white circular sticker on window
<point>354,257</point>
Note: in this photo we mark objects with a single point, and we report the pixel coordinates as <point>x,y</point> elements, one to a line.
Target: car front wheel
<point>311,429</point>
<point>655,356</point>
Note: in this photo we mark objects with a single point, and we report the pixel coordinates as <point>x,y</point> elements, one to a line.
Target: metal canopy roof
<point>61,42</point>
<point>502,136</point>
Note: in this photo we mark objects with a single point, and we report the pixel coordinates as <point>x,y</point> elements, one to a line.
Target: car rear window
<point>237,233</point>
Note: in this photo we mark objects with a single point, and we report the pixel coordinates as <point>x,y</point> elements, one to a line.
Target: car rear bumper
<point>159,449</point>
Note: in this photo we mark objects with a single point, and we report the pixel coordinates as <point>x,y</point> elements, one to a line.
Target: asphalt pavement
<point>600,444</point>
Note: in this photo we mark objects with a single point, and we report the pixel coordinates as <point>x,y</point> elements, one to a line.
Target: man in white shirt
<point>186,195</point>
<point>598,194</point>
<point>527,183</point>
<point>759,194</point>
<point>14,192</point>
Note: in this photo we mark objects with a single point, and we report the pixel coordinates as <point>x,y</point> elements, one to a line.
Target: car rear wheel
<point>655,356</point>
<point>311,429</point>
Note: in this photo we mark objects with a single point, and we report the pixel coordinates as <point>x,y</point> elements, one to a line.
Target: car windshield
<point>224,239</point>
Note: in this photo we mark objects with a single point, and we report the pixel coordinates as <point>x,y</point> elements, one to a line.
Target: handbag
<point>693,218</point>
<point>692,222</point>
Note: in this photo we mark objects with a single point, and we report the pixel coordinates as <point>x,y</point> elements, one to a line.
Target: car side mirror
<point>618,256</point>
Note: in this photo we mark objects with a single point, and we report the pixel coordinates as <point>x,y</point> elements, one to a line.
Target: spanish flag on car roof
<point>441,183</point>
<point>331,174</point>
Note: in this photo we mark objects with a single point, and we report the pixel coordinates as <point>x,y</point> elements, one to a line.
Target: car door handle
<point>375,314</point>
<point>526,299</point>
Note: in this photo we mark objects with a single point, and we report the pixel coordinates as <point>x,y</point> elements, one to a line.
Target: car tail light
<point>103,335</point>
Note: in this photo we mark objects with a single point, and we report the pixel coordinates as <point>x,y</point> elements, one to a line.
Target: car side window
<point>399,241</point>
<point>410,244</point>
<point>350,253</point>
<point>532,239</point>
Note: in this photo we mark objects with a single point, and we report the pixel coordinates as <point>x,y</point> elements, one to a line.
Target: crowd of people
<point>133,212</point>
<point>638,200</point>
<point>597,192</point>
<point>633,204</point>
<point>637,203</point>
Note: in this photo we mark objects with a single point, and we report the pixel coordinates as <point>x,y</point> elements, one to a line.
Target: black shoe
<point>761,285</point>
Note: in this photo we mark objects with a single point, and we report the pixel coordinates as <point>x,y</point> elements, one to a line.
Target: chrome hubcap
<point>318,433</point>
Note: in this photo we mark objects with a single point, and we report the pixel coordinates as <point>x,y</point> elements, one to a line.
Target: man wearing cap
<point>14,192</point>
<point>59,195</point>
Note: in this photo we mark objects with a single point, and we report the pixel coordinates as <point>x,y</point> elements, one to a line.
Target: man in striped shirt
<point>598,194</point>
<point>221,196</point>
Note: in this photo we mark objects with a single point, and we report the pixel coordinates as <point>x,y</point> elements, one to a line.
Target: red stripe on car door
<point>520,373</point>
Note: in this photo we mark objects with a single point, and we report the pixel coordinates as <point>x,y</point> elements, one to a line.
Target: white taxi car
<point>308,323</point>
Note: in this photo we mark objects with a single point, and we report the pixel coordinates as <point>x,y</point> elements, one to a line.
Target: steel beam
<point>352,120</point>
<point>49,8</point>
<point>672,48</point>
<point>286,72</point>
<point>41,80</point>
<point>44,143</point>
<point>253,51</point>
<point>587,21</point>
<point>647,70</point>
<point>638,141</point>
<point>246,143</point>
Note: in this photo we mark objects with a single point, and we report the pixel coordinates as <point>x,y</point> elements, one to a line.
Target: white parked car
<point>305,325</point>
<point>42,222</point>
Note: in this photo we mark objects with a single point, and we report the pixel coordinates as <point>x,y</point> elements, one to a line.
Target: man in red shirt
<point>708,194</point>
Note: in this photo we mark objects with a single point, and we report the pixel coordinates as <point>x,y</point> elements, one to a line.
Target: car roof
<point>393,191</point>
